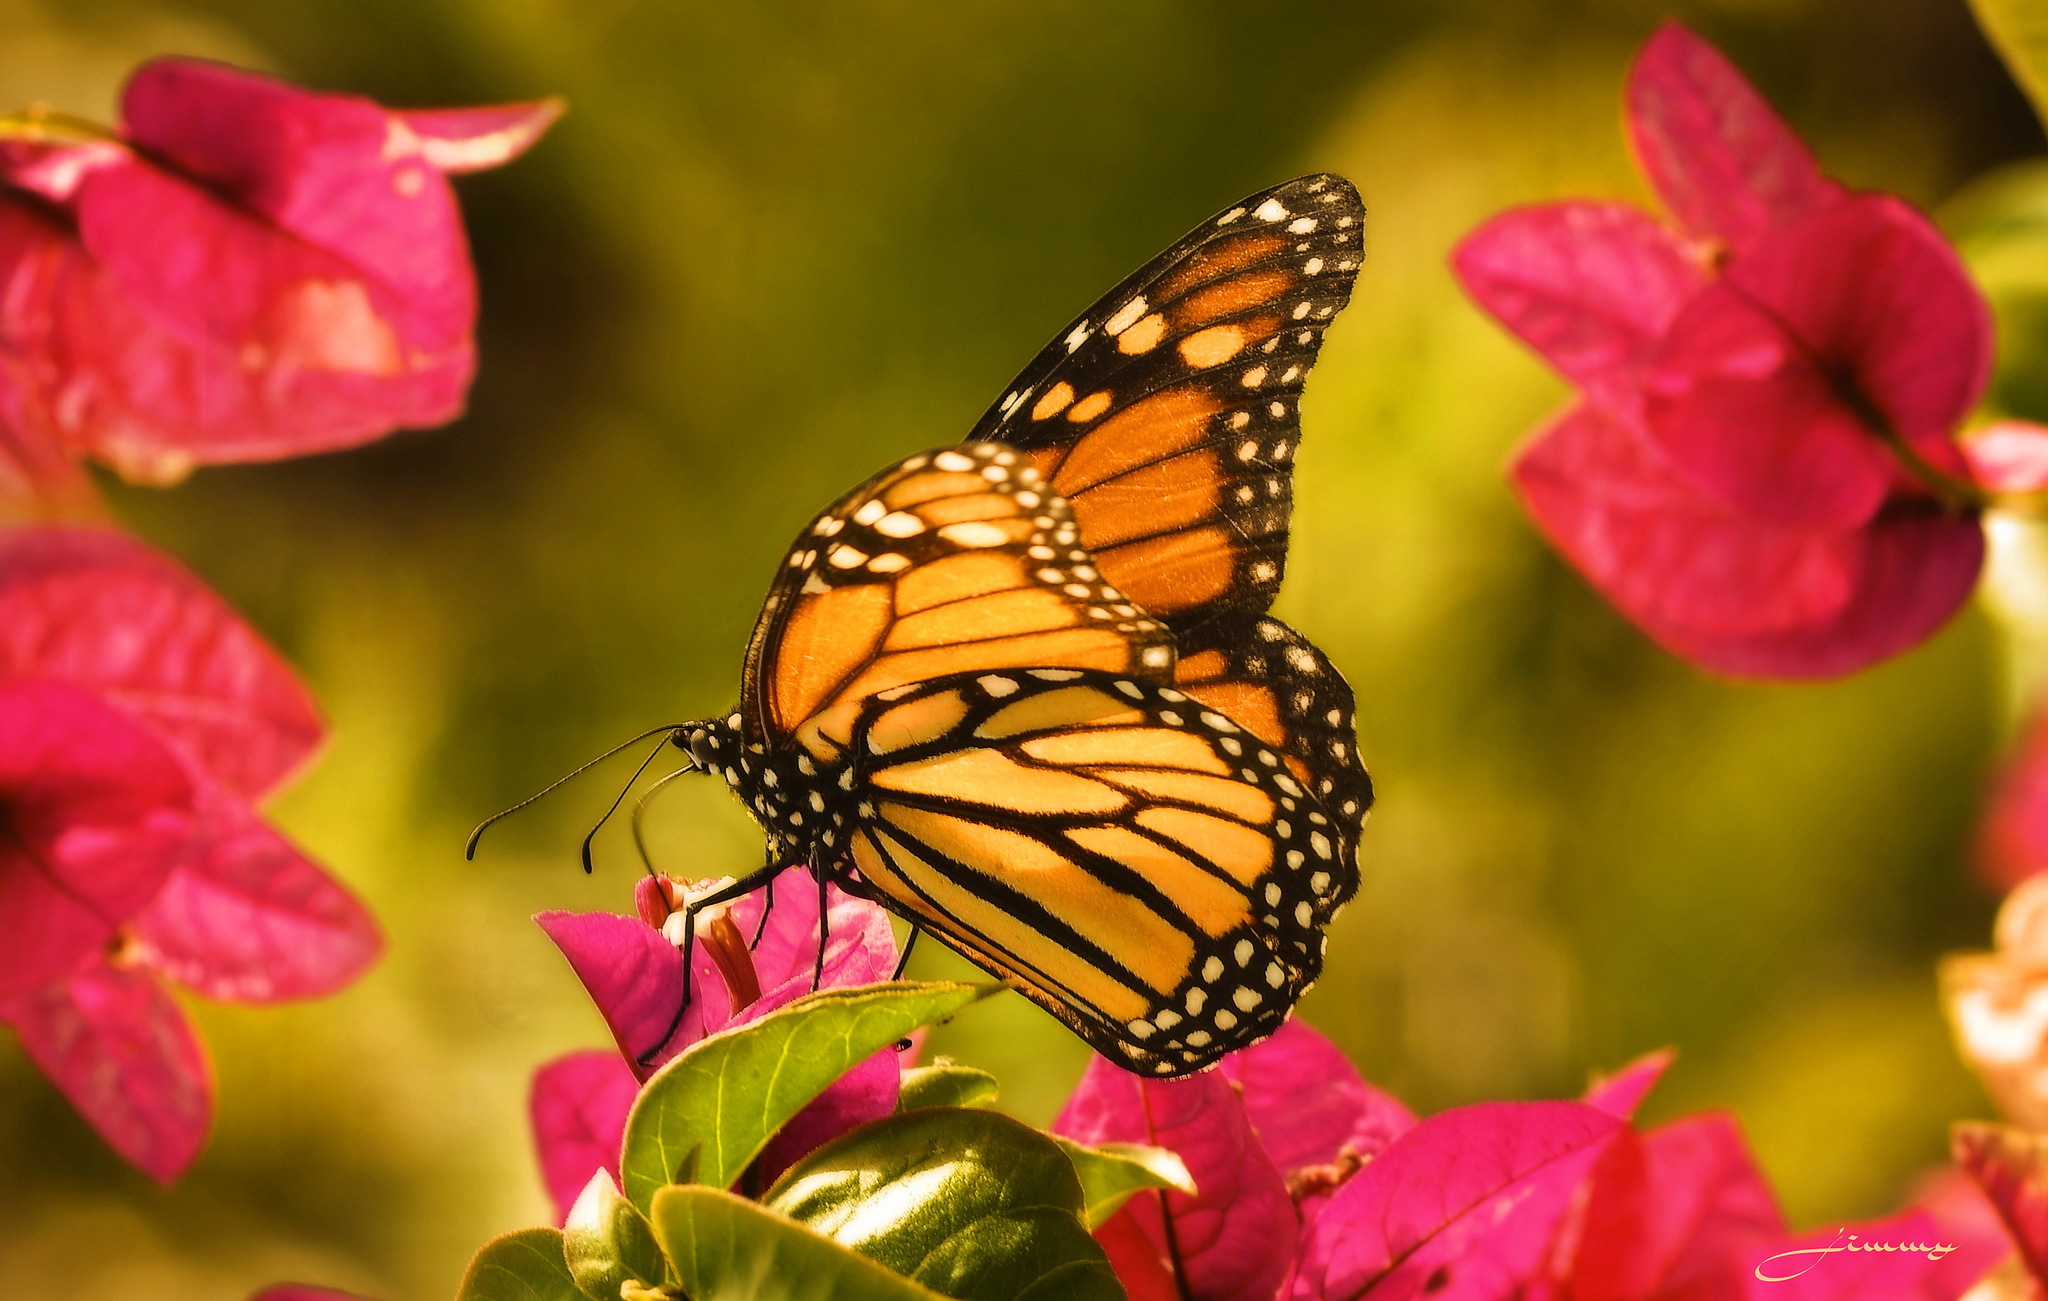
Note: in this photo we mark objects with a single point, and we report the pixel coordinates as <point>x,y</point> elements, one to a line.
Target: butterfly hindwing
<point>1133,860</point>
<point>947,561</point>
<point>1169,413</point>
<point>1273,682</point>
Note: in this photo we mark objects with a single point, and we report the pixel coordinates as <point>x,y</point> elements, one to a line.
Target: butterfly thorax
<point>793,797</point>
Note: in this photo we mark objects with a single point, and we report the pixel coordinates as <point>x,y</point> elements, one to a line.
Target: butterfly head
<point>714,746</point>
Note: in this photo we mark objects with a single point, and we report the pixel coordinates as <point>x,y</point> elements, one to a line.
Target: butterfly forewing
<point>947,561</point>
<point>1169,413</point>
<point>1133,860</point>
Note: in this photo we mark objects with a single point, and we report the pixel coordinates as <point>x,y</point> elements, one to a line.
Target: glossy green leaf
<point>608,1242</point>
<point>1112,1172</point>
<point>727,1095</point>
<point>2019,32</point>
<point>970,1203</point>
<point>523,1266</point>
<point>726,1248</point>
<point>946,1085</point>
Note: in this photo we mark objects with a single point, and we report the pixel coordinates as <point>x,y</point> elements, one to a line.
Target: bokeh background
<point>775,245</point>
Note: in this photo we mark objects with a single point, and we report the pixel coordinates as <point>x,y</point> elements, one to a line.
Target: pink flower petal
<point>272,272</point>
<point>636,979</point>
<point>95,813</point>
<point>1862,1268</point>
<point>1966,1215</point>
<point>128,1060</point>
<point>578,1106</point>
<point>96,608</point>
<point>474,139</point>
<point>2011,1166</point>
<point>1235,1238</point>
<point>1728,592</point>
<point>202,334</point>
<point>1145,1274</point>
<point>1622,1092</point>
<point>1461,1207</point>
<point>1743,411</point>
<point>2009,456</point>
<point>249,919</point>
<point>1720,158</point>
<point>303,1292</point>
<point>1771,384</point>
<point>1590,286</point>
<point>1670,1213</point>
<point>2012,843</point>
<point>336,171</point>
<point>860,950</point>
<point>1308,1103</point>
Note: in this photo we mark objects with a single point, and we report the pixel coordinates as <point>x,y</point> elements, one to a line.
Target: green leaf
<point>946,1085</point>
<point>1112,1172</point>
<point>728,1094</point>
<point>523,1266</point>
<point>726,1248</point>
<point>2019,32</point>
<point>608,1242</point>
<point>970,1203</point>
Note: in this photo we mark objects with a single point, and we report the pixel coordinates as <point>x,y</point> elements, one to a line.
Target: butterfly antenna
<point>620,798</point>
<point>640,813</point>
<point>469,850</point>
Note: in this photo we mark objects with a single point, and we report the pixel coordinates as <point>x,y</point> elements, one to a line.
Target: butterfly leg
<point>824,924</point>
<point>767,906</point>
<point>745,885</point>
<point>908,945</point>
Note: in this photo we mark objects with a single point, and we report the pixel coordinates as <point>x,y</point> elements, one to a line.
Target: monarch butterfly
<point>1025,693</point>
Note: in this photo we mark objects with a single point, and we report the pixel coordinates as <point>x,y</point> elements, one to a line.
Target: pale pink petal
<point>1861,1269</point>
<point>128,1060</point>
<point>2011,1166</point>
<point>1622,1092</point>
<point>473,139</point>
<point>636,979</point>
<point>1590,286</point>
<point>101,610</point>
<point>250,919</point>
<point>1721,159</point>
<point>578,1107</point>
<point>1727,592</point>
<point>1308,1103</point>
<point>1461,1207</point>
<point>2009,456</point>
<point>1236,1236</point>
<point>97,814</point>
<point>1670,1213</point>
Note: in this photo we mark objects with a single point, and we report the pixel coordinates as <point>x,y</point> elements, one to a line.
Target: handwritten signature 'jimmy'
<point>1805,1258</point>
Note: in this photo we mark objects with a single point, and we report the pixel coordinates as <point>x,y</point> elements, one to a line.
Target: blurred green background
<point>776,245</point>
